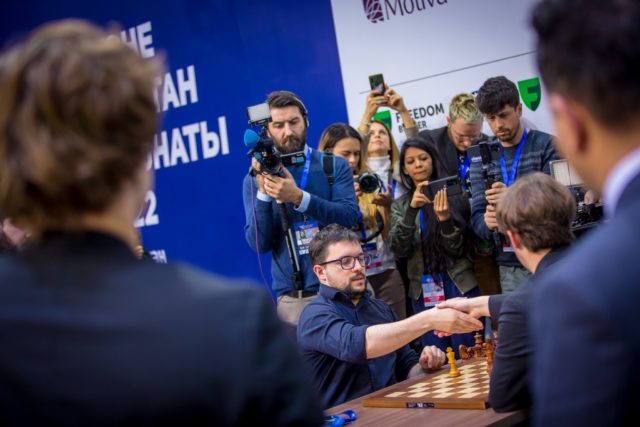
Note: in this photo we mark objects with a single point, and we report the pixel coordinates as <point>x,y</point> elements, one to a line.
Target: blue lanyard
<point>423,230</point>
<point>463,168</point>
<point>393,189</point>
<point>508,180</point>
<point>340,419</point>
<point>305,172</point>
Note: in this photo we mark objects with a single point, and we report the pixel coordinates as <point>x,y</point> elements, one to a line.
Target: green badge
<point>530,92</point>
<point>384,117</point>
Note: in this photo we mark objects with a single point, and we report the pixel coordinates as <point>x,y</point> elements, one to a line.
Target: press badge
<point>371,249</point>
<point>304,231</point>
<point>432,291</point>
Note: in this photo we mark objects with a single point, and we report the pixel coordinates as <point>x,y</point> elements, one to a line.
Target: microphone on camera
<point>251,138</point>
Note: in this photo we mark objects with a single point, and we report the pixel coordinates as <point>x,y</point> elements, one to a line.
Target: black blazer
<point>586,327</point>
<point>90,336</point>
<point>509,383</point>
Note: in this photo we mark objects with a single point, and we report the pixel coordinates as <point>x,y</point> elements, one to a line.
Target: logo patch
<point>530,92</point>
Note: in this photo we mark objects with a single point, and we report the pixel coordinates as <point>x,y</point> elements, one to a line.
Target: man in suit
<point>536,214</point>
<point>585,320</point>
<point>90,334</point>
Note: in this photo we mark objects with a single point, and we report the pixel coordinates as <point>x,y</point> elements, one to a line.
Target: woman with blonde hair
<point>374,217</point>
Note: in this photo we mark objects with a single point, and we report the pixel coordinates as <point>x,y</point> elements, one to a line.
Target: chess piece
<point>478,347</point>
<point>453,368</point>
<point>464,354</point>
<point>488,351</point>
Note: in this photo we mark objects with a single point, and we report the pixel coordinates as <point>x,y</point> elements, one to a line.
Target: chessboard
<point>469,390</point>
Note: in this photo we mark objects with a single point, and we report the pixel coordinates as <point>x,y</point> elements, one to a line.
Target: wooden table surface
<point>387,417</point>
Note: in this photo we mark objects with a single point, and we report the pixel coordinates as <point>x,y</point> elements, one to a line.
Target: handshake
<point>459,315</point>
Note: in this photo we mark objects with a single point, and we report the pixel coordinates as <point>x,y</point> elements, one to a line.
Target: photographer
<point>434,237</point>
<point>312,195</point>
<point>373,217</point>
<point>522,151</point>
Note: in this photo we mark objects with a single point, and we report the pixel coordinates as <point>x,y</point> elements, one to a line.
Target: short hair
<point>284,98</point>
<point>331,234</point>
<point>335,133</point>
<point>539,210</point>
<point>496,93</point>
<point>77,120</point>
<point>463,105</point>
<point>589,50</point>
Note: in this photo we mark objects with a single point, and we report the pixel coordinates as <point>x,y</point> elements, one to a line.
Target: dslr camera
<point>369,182</point>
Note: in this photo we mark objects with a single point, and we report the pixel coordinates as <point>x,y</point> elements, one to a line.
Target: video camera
<point>587,215</point>
<point>261,146</point>
<point>489,154</point>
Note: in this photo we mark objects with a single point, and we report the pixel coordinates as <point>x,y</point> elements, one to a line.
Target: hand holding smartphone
<point>376,81</point>
<point>452,183</point>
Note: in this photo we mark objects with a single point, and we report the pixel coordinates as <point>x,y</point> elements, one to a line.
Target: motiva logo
<point>530,92</point>
<point>380,10</point>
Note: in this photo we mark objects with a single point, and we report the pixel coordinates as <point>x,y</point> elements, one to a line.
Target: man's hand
<point>495,192</point>
<point>490,218</point>
<point>395,101</point>
<point>441,205</point>
<point>419,199</point>
<point>383,199</point>
<point>451,321</point>
<point>431,358</point>
<point>259,177</point>
<point>283,189</point>
<point>476,307</point>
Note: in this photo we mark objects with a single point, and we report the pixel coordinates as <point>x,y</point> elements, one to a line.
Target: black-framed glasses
<point>349,262</point>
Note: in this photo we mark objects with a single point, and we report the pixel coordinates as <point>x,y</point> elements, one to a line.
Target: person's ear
<point>320,273</point>
<point>519,109</point>
<point>448,121</point>
<point>515,240</point>
<point>570,126</point>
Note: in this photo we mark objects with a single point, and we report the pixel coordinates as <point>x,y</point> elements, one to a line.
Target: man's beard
<point>353,294</point>
<point>292,144</point>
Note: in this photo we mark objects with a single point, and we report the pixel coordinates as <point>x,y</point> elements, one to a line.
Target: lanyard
<point>305,172</point>
<point>509,179</point>
<point>463,168</point>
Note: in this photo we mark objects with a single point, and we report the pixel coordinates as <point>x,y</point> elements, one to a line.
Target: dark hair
<point>284,98</point>
<point>332,233</point>
<point>540,210</point>
<point>589,50</point>
<point>77,120</point>
<point>496,93</point>
<point>335,133</point>
<point>432,246</point>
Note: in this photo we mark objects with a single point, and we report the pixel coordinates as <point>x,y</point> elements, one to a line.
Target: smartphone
<point>452,183</point>
<point>376,82</point>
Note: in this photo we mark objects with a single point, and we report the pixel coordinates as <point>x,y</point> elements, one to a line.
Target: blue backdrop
<point>237,52</point>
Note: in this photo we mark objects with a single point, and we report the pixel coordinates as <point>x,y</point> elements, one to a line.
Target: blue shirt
<point>324,205</point>
<point>331,334</point>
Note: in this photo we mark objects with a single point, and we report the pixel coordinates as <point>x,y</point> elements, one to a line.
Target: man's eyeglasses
<point>349,262</point>
<point>461,138</point>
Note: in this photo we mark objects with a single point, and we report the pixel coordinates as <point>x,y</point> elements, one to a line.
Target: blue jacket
<point>337,205</point>
<point>586,327</point>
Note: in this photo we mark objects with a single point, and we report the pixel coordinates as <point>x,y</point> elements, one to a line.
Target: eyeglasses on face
<point>461,138</point>
<point>349,262</point>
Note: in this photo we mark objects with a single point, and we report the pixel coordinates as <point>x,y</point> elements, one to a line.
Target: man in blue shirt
<point>353,342</point>
<point>312,197</point>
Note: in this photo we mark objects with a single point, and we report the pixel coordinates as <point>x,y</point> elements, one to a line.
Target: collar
<point>618,179</point>
<point>334,294</point>
<point>551,258</point>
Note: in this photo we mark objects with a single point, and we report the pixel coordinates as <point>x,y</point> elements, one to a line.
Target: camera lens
<point>369,182</point>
